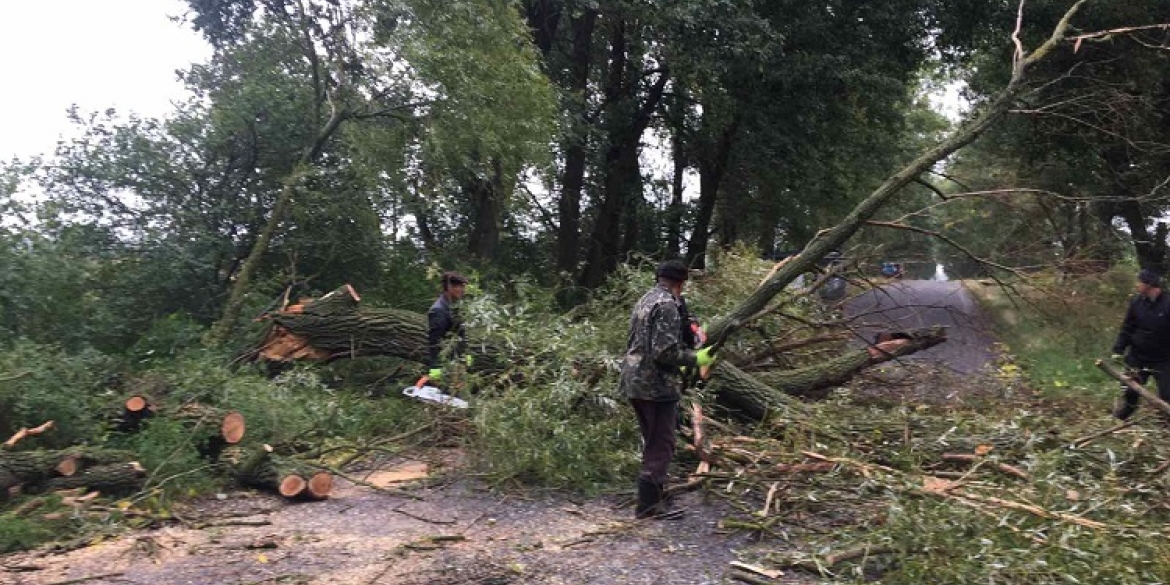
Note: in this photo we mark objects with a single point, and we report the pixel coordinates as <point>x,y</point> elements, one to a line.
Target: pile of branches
<point>950,495</point>
<point>217,434</point>
<point>335,327</point>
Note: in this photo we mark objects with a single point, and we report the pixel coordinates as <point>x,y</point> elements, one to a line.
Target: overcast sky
<point>94,53</point>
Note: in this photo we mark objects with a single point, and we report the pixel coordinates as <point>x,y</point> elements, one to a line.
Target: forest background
<point>379,142</point>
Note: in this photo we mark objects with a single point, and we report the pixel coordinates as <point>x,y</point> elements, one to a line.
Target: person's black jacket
<point>1145,332</point>
<point>441,320</point>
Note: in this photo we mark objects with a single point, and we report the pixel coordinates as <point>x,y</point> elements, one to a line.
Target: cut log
<point>136,404</point>
<point>232,427</point>
<point>68,465</point>
<point>260,468</point>
<point>213,428</point>
<point>35,467</point>
<point>306,485</point>
<point>135,409</point>
<point>107,479</point>
<point>320,486</point>
<point>334,327</point>
<point>292,486</point>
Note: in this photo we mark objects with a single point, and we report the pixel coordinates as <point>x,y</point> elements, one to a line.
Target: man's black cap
<point>673,269</point>
<point>1150,277</point>
<point>450,278</point>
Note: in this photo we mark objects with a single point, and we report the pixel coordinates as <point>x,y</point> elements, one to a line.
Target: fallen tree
<point>757,395</point>
<point>335,326</point>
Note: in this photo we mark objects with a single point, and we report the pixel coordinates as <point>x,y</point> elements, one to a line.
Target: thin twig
<point>1081,442</point>
<point>85,579</point>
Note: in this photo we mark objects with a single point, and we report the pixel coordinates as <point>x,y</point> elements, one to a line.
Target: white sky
<point>94,53</point>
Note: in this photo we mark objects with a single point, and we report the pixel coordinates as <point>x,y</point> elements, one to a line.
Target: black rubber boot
<point>1124,411</point>
<point>652,502</point>
<point>1125,408</point>
<point>649,497</point>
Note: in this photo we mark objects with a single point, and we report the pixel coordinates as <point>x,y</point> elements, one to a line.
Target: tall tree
<point>1092,138</point>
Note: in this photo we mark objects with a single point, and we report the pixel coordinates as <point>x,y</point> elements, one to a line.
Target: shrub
<point>44,383</point>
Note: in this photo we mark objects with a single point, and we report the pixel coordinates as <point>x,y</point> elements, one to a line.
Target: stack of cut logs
<point>216,433</point>
<point>253,466</point>
<point>105,470</point>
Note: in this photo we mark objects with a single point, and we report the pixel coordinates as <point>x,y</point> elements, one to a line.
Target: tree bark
<point>260,468</point>
<point>39,470</point>
<point>544,17</point>
<point>115,478</point>
<point>627,120</point>
<point>766,393</point>
<point>334,327</point>
<point>573,180</point>
<point>675,211</point>
<point>712,166</point>
<point>486,194</point>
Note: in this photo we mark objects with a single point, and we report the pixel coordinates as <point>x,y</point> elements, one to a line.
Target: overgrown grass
<point>1056,330</point>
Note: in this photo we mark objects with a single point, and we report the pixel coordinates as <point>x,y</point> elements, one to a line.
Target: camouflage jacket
<point>655,350</point>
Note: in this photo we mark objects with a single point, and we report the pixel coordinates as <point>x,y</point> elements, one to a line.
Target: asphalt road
<point>913,304</point>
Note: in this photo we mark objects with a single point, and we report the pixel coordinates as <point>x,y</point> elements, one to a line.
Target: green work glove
<point>1117,357</point>
<point>435,374</point>
<point>467,359</point>
<point>703,357</point>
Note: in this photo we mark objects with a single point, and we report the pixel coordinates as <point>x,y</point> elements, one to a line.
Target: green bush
<point>18,533</point>
<point>42,383</point>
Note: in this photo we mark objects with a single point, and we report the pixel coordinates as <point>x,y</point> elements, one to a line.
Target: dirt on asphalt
<point>456,532</point>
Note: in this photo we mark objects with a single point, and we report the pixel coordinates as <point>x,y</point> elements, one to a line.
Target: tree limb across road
<point>335,327</point>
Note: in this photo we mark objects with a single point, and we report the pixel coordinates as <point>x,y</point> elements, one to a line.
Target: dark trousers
<point>1160,372</point>
<point>657,421</point>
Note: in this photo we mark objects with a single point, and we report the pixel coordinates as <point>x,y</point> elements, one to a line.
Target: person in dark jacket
<point>651,379</point>
<point>1144,340</point>
<point>442,321</point>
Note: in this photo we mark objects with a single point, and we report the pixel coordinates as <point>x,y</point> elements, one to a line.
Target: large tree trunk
<point>758,395</point>
<point>334,327</point>
<point>573,180</point>
<point>674,213</point>
<point>487,197</point>
<point>627,120</point>
<point>712,166</point>
<point>544,17</point>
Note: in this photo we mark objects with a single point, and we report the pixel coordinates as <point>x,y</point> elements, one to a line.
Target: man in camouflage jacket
<point>651,378</point>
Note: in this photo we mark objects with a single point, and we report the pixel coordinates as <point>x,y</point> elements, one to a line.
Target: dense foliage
<point>555,149</point>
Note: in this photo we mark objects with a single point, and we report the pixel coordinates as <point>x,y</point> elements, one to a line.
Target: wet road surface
<point>913,304</point>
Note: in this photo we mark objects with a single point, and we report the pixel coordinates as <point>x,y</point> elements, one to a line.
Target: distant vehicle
<point>892,270</point>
